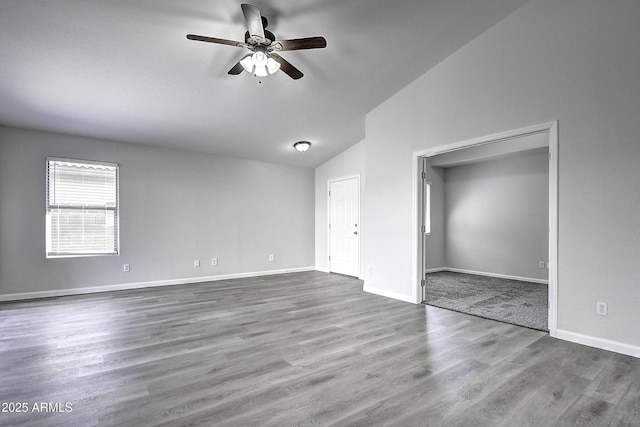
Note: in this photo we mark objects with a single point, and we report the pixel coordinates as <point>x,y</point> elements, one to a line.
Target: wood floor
<point>296,349</point>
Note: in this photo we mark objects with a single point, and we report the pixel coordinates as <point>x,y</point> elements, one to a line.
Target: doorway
<point>500,144</point>
<point>344,226</point>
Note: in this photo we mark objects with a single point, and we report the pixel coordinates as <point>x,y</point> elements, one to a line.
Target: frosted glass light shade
<point>260,59</point>
<point>261,71</point>
<point>272,65</point>
<point>302,146</point>
<point>247,64</point>
<point>259,64</point>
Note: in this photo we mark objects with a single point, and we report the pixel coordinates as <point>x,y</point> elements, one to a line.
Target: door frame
<point>329,182</point>
<point>417,248</point>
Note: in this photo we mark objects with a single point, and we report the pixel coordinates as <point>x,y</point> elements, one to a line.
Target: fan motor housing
<point>269,38</point>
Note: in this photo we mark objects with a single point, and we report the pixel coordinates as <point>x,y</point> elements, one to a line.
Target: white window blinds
<point>82,208</point>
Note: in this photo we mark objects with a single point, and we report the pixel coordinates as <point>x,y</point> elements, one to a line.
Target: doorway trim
<point>417,249</point>
<point>360,228</point>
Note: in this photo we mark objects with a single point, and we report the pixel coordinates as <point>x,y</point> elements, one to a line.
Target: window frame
<point>427,207</point>
<point>48,209</point>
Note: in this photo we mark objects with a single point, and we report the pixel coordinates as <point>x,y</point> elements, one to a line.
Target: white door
<point>344,226</point>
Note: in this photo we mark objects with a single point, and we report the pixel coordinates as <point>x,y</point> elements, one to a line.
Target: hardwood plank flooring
<point>296,349</point>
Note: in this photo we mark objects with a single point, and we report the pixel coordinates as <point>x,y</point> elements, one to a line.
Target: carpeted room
<point>487,247</point>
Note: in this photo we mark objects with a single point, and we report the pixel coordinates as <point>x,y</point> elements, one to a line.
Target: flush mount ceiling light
<point>302,146</point>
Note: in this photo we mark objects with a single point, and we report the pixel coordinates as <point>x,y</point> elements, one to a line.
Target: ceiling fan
<point>263,59</point>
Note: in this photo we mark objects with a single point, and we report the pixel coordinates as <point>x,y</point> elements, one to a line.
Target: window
<point>427,208</point>
<point>82,208</point>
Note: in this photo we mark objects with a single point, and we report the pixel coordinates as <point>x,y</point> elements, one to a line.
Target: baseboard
<point>142,285</point>
<point>389,294</point>
<point>484,273</point>
<point>601,343</point>
<point>327,270</point>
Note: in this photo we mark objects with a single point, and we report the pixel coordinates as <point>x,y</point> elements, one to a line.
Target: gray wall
<point>497,216</point>
<point>575,61</point>
<point>175,207</point>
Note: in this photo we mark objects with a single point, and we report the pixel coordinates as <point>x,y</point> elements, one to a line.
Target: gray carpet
<point>511,301</point>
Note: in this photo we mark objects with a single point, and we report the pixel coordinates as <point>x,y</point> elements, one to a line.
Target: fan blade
<point>286,66</point>
<point>253,19</point>
<point>215,40</point>
<point>238,68</point>
<point>299,44</point>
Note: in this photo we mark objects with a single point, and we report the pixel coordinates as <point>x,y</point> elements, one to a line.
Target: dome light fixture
<point>302,146</point>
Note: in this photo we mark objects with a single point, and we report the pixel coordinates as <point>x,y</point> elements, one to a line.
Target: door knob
<point>355,232</point>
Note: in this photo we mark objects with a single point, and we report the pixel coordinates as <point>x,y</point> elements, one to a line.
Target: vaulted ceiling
<point>123,70</point>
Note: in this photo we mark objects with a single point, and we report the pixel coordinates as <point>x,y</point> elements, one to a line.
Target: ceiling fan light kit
<point>259,64</point>
<point>302,146</point>
<point>264,60</point>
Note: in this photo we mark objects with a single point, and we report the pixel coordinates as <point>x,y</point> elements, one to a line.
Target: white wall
<point>175,207</point>
<point>497,216</point>
<point>348,163</point>
<point>575,61</point>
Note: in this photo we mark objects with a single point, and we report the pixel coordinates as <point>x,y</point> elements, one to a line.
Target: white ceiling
<point>123,70</point>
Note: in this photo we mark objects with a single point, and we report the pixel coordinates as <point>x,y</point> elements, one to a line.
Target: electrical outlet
<point>601,308</point>
<point>272,257</point>
<point>542,264</point>
<point>369,270</point>
<point>214,261</point>
<point>125,268</point>
<point>196,263</point>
